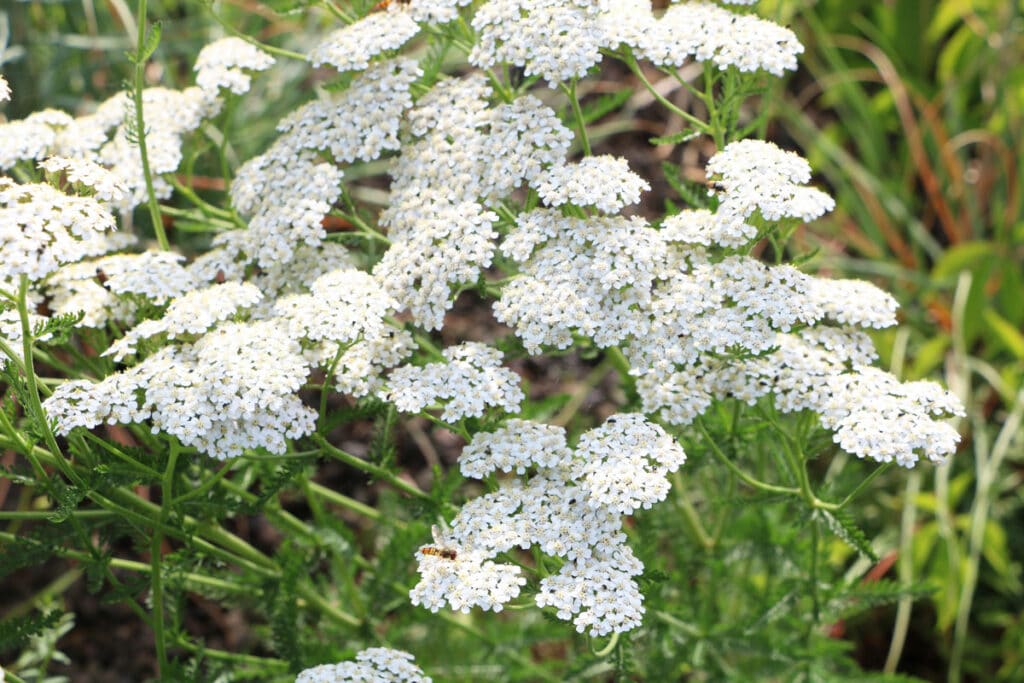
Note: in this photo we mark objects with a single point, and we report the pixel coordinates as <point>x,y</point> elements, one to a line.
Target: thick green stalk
<point>577,112</point>
<point>370,468</point>
<point>743,476</point>
<point>140,124</point>
<point>156,557</point>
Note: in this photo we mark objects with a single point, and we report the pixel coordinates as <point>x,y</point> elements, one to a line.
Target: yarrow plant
<point>159,393</point>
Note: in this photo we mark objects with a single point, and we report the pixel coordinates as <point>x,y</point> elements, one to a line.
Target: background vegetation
<point>912,112</point>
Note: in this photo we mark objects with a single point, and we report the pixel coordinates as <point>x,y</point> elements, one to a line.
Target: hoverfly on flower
<point>439,549</point>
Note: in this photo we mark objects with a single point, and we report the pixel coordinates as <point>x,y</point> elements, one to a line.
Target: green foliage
<point>754,560</point>
<point>15,632</point>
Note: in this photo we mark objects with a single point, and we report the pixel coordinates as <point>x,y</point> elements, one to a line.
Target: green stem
<point>156,557</point>
<point>140,124</point>
<point>205,207</point>
<point>691,520</point>
<point>190,579</point>
<point>607,649</point>
<point>203,488</point>
<point>278,51</point>
<point>327,379</point>
<point>498,86</point>
<point>701,126</point>
<point>368,467</point>
<point>265,663</point>
<point>310,593</point>
<point>35,403</point>
<point>48,514</point>
<point>577,113</point>
<point>798,464</point>
<point>877,472</point>
<point>348,503</point>
<point>743,476</point>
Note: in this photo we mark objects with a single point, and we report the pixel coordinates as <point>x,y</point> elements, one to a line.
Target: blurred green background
<point>912,114</point>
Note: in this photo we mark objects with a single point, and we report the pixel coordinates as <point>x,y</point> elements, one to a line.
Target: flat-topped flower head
<point>446,245</point>
<point>287,193</point>
<point>571,507</point>
<point>156,275</point>
<point>579,276</point>
<point>876,416</point>
<point>5,89</point>
<point>42,228</point>
<point>373,665</point>
<point>624,463</point>
<point>517,445</point>
<point>343,305</point>
<point>470,380</point>
<point>233,389</point>
<point>754,175</point>
<point>82,173</point>
<point>223,64</point>
<point>468,151</point>
<point>352,47</point>
<point>599,595</point>
<point>854,302</point>
<point>360,122</point>
<point>557,39</point>
<point>704,228</point>
<point>604,182</point>
<point>190,314</point>
<point>702,32</point>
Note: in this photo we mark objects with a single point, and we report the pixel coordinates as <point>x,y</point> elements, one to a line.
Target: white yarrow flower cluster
<point>570,508</point>
<point>343,305</point>
<point>190,314</point>
<point>31,138</point>
<point>223,64</point>
<point>875,415</point>
<point>585,276</point>
<point>757,176</point>
<point>519,445</point>
<point>447,245</point>
<point>854,302</point>
<point>233,389</point>
<point>156,275</point>
<point>105,185</point>
<point>703,32</point>
<point>5,89</point>
<point>287,191</point>
<point>465,156</point>
<point>358,123</point>
<point>604,182</point>
<point>42,228</point>
<point>352,47</point>
<point>471,379</point>
<point>627,465</point>
<point>373,665</point>
<point>557,39</point>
